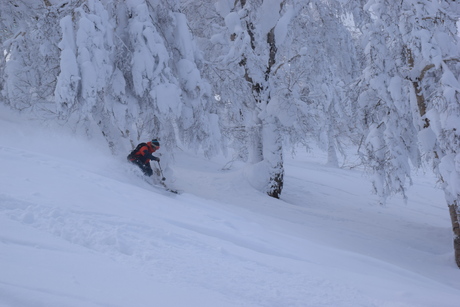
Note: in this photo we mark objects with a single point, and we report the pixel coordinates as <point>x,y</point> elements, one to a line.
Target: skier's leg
<point>147,169</point>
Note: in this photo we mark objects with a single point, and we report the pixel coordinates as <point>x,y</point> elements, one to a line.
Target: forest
<point>252,79</point>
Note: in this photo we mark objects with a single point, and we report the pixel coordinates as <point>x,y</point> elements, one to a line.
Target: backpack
<point>135,150</point>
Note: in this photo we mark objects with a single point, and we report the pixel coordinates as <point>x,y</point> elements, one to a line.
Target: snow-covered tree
<point>127,70</point>
<point>278,76</point>
<point>247,51</point>
<point>318,75</point>
<point>410,95</point>
<point>86,69</point>
<point>433,62</point>
<point>383,105</point>
<point>29,60</point>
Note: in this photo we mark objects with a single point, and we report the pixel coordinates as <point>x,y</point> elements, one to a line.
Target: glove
<point>156,159</point>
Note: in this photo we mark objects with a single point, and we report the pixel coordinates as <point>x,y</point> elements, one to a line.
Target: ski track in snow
<point>78,228</point>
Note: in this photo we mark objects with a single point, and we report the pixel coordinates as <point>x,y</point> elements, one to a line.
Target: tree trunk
<point>455,218</point>
<point>253,128</point>
<point>421,104</point>
<point>273,155</point>
<point>332,159</point>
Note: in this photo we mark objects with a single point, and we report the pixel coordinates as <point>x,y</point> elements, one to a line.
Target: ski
<point>163,179</point>
<point>163,185</point>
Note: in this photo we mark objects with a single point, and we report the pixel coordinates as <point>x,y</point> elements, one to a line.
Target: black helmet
<point>156,143</point>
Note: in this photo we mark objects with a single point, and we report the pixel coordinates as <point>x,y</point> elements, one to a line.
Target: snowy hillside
<point>79,227</point>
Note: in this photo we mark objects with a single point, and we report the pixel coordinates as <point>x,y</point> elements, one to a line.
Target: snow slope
<point>79,227</point>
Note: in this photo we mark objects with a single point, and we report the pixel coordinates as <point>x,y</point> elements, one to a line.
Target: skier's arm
<point>148,155</point>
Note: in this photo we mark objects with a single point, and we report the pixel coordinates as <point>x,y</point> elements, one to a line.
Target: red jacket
<point>144,154</point>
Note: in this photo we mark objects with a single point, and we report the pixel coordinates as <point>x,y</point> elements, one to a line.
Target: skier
<point>142,155</point>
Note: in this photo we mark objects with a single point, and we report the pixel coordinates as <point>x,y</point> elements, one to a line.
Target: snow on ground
<point>79,227</point>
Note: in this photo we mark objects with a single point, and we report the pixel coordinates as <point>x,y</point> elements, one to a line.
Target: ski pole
<point>161,171</point>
